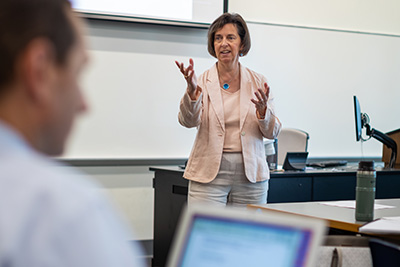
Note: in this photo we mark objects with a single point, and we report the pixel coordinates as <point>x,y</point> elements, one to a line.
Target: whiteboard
<point>314,75</point>
<point>134,87</point>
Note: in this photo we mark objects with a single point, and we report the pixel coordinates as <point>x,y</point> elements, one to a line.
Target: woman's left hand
<point>261,102</point>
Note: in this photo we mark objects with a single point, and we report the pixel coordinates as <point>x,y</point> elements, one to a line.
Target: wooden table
<point>337,217</point>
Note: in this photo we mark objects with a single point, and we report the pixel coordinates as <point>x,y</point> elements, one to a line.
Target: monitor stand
<point>386,140</point>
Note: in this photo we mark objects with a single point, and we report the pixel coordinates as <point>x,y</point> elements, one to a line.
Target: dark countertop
<point>350,168</point>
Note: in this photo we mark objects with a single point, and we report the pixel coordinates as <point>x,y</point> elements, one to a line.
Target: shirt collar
<point>11,140</point>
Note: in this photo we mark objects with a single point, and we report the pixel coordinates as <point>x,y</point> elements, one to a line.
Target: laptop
<point>211,236</point>
<point>295,161</point>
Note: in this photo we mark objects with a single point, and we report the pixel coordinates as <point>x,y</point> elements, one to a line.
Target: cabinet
<point>170,193</point>
<point>334,187</point>
<point>289,189</point>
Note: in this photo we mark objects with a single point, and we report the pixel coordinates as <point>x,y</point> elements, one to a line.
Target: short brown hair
<point>241,27</point>
<point>21,21</point>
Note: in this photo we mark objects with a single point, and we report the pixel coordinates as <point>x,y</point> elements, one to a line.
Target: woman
<point>232,109</point>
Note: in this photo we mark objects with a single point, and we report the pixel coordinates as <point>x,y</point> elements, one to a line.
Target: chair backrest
<point>291,140</point>
<point>384,254</point>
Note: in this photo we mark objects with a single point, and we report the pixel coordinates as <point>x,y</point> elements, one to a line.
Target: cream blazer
<point>207,115</point>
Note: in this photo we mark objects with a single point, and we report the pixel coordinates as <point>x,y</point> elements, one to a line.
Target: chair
<point>291,140</point>
<point>384,254</point>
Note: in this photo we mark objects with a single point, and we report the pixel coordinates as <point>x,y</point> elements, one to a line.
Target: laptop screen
<point>219,241</point>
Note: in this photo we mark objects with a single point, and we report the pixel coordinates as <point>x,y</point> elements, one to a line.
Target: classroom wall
<point>130,189</point>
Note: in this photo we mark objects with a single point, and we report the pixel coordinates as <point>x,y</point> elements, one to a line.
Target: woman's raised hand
<point>261,102</point>
<point>191,79</point>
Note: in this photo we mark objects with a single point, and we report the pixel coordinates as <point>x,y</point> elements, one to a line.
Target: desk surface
<point>337,217</point>
<point>350,168</point>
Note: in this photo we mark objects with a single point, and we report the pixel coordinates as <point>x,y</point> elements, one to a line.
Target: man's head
<point>41,57</point>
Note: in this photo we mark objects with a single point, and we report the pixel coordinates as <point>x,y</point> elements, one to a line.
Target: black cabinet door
<point>388,185</point>
<point>334,187</point>
<point>170,196</point>
<point>289,189</point>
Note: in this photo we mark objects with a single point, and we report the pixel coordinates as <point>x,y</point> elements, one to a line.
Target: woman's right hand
<point>188,73</point>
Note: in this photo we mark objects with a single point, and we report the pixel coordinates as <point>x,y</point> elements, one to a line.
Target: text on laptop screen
<point>214,241</point>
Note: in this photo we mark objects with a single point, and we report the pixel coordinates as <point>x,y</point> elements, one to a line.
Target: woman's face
<point>227,44</point>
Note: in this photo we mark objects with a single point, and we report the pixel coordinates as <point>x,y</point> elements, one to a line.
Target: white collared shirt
<point>54,217</point>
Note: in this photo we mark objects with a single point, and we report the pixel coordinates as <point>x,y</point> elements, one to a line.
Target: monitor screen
<point>358,120</point>
<point>181,12</point>
<point>229,242</point>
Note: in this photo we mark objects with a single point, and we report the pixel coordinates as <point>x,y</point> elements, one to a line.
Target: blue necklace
<point>226,85</point>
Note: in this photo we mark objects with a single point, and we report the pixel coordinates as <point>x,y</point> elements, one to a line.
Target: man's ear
<point>38,69</point>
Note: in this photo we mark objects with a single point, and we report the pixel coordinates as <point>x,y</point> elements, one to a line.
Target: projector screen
<point>194,13</point>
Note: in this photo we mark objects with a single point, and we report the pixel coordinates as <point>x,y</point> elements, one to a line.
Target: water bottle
<point>365,191</point>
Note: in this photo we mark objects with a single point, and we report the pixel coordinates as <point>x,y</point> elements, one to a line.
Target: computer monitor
<point>362,120</point>
<point>358,119</point>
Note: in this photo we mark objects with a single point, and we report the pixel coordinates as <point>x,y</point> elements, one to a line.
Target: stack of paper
<point>384,225</point>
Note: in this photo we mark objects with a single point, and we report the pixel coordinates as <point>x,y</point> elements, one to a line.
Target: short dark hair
<point>21,21</point>
<point>241,27</point>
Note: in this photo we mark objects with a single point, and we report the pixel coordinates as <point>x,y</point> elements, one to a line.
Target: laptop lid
<point>295,161</point>
<point>211,236</point>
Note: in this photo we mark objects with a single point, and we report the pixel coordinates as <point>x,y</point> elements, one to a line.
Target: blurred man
<point>47,217</point>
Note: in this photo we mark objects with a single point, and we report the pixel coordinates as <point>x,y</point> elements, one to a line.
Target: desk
<point>170,193</point>
<point>337,217</point>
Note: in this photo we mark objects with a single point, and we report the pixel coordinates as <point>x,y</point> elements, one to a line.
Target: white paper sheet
<point>384,225</point>
<point>351,204</point>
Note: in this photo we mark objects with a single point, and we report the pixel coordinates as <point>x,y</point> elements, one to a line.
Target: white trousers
<point>230,186</point>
